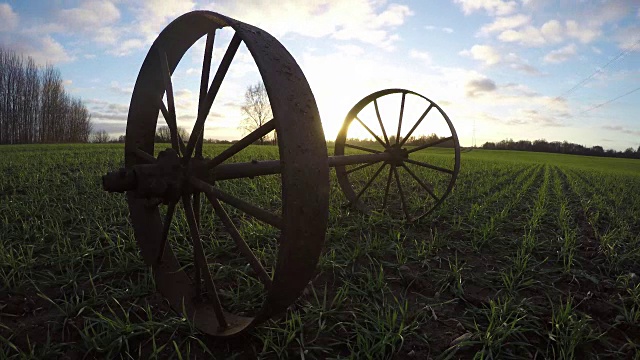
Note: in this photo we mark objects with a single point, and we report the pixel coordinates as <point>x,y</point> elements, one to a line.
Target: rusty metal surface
<point>399,153</point>
<point>157,179</point>
<point>303,165</point>
<point>303,159</point>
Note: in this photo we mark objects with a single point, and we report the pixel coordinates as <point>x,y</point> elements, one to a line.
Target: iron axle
<point>139,177</point>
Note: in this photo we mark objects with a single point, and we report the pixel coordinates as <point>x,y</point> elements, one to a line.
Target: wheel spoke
<point>429,166</point>
<point>425,185</point>
<point>145,156</point>
<point>242,143</point>
<point>361,167</point>
<point>384,132</point>
<point>173,130</point>
<point>169,112</point>
<point>386,190</point>
<point>242,245</point>
<point>400,120</point>
<point>204,83</point>
<point>416,125</point>
<point>166,225</point>
<point>258,213</point>
<point>371,132</point>
<point>201,262</point>
<point>369,183</point>
<point>437,142</point>
<point>362,148</point>
<point>196,207</point>
<point>211,94</point>
<point>402,198</point>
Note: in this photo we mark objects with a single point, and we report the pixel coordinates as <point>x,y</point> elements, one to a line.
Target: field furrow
<point>530,256</point>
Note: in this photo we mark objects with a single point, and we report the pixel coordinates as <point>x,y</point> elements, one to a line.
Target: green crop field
<point>532,255</point>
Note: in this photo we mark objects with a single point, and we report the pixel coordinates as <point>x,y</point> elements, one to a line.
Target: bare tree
<point>163,134</point>
<point>256,110</point>
<point>78,122</point>
<point>101,137</point>
<point>34,106</point>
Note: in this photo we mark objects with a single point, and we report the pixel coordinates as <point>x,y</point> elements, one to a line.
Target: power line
<point>575,87</point>
<point>598,71</point>
<point>609,101</point>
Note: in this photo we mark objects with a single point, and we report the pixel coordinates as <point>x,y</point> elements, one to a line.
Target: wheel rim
<point>302,151</point>
<point>356,187</point>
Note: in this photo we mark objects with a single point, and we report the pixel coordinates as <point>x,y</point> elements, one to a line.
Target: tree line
<point>163,135</point>
<point>411,141</point>
<point>34,107</point>
<point>564,147</point>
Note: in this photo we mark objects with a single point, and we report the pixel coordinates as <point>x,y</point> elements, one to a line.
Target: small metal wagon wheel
<point>421,179</point>
<point>180,174</point>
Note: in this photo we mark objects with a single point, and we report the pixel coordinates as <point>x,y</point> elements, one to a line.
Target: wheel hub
<point>398,154</point>
<point>165,179</point>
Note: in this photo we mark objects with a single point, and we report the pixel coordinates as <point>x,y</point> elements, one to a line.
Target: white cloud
<point>522,106</point>
<point>524,67</point>
<point>108,116</point>
<point>552,31</point>
<point>549,33</point>
<point>117,88</point>
<point>193,71</point>
<point>108,35</point>
<point>106,110</point>
<point>527,116</point>
<point>93,20</point>
<point>125,47</point>
<point>43,49</point>
<point>491,56</point>
<point>492,7</point>
<point>153,15</point>
<point>609,11</point>
<point>447,30</point>
<point>505,23</point>
<point>528,36</point>
<point>561,55</point>
<point>444,85</point>
<point>90,15</point>
<point>8,18</point>
<point>584,34</point>
<point>101,22</point>
<point>374,23</point>
<point>424,56</point>
<point>186,103</point>
<point>484,53</point>
<point>349,49</point>
<point>517,29</point>
<point>535,4</point>
<point>374,28</point>
<point>621,129</point>
<point>480,86</point>
<point>627,38</point>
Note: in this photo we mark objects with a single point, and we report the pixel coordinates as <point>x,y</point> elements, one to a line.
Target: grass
<point>532,256</point>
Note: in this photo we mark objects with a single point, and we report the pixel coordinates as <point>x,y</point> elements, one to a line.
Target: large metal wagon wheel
<point>419,173</point>
<point>180,174</point>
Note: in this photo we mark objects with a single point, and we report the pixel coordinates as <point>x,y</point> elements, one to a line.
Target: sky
<point>521,69</point>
